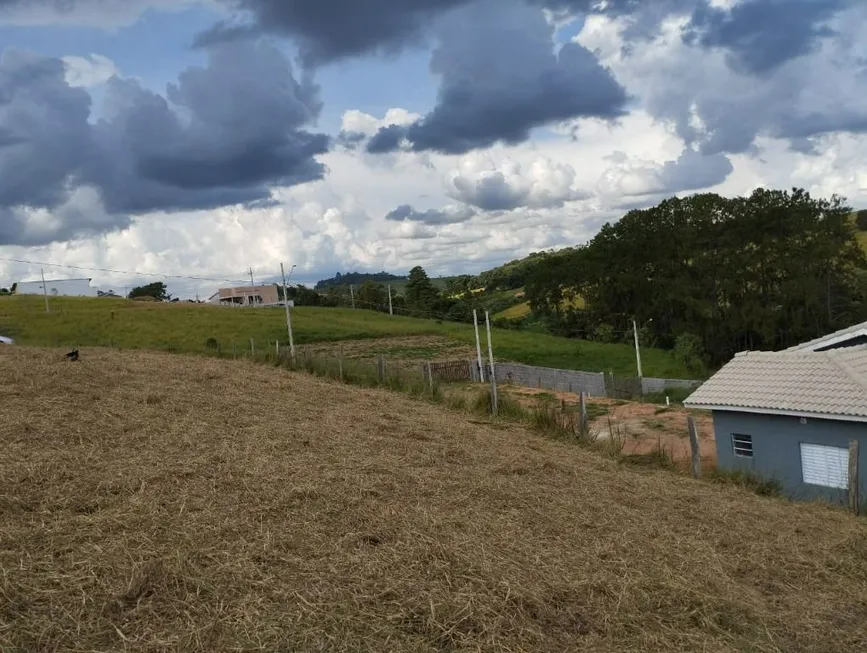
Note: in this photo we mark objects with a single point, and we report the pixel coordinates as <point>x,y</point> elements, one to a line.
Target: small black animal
<point>73,355</point>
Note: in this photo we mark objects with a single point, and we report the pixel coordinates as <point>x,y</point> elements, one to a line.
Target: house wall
<point>777,449</point>
<point>57,288</point>
<point>241,295</point>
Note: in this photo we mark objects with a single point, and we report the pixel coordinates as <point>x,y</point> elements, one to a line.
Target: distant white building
<point>57,288</point>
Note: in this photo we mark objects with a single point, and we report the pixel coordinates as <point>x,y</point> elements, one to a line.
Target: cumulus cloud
<point>358,127</point>
<point>480,181</point>
<point>717,107</point>
<point>432,217</point>
<point>387,26</point>
<point>46,135</point>
<point>500,78</point>
<point>689,172</point>
<point>760,35</point>
<point>105,14</point>
<point>87,71</point>
<point>223,134</point>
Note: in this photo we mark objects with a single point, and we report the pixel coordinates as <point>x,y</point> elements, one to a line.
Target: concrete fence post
<point>693,447</point>
<point>854,498</point>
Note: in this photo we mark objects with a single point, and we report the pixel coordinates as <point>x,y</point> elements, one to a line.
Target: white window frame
<point>737,450</point>
<point>827,465</point>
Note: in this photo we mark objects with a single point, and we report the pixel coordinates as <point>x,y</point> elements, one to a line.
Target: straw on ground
<point>151,502</point>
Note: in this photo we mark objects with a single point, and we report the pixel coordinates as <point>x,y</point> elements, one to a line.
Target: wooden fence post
<point>340,363</point>
<point>693,446</point>
<point>234,353</point>
<point>582,415</point>
<point>854,498</point>
<point>252,348</point>
<point>430,377</point>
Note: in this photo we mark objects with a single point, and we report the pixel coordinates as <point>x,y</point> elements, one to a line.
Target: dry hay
<point>159,503</point>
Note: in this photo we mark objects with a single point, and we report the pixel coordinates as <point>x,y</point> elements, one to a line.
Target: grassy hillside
<point>186,327</point>
<point>162,503</point>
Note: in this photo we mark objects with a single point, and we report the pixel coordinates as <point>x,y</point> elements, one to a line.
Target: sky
<point>205,138</point>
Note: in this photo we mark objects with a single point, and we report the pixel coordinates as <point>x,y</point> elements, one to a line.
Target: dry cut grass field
<point>151,502</point>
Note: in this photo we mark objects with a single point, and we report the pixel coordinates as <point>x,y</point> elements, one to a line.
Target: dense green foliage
<point>861,220</point>
<point>356,279</point>
<point>514,274</point>
<point>186,327</point>
<point>157,290</point>
<point>759,272</point>
<point>301,295</point>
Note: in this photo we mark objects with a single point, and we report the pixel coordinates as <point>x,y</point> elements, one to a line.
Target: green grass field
<point>186,327</point>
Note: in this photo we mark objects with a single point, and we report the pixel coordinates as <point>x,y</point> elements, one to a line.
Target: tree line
<point>710,276</point>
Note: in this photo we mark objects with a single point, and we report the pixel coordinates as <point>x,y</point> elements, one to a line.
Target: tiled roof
<point>826,384</point>
<point>810,345</point>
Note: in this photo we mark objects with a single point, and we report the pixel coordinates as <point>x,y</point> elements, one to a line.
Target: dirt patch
<point>406,348</point>
<point>252,509</point>
<point>643,428</point>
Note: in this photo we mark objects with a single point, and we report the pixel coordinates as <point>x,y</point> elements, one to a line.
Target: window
<point>824,465</point>
<point>742,445</point>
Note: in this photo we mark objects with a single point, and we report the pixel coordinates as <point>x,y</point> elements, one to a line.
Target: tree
<point>300,294</point>
<point>157,290</point>
<point>861,220</point>
<point>420,293</point>
<point>373,295</point>
<point>688,352</point>
<point>759,272</point>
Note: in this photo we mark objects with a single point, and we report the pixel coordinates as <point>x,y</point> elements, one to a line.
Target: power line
<point>131,273</point>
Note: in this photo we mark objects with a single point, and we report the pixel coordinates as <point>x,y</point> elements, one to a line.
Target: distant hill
<point>514,274</point>
<point>397,282</point>
<point>356,279</point>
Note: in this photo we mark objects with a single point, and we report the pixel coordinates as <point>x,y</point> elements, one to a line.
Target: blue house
<point>790,415</point>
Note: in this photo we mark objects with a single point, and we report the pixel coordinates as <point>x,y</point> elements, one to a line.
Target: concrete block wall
<point>652,386</point>
<point>547,378</point>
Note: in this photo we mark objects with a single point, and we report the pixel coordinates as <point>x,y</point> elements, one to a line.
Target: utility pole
<point>637,350</point>
<point>352,295</point>
<point>390,309</point>
<point>478,346</point>
<point>288,317</point>
<point>252,288</point>
<point>494,398</point>
<point>45,290</point>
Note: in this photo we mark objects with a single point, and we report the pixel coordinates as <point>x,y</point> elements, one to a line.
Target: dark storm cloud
<point>491,193</point>
<point>500,79</point>
<point>760,35</point>
<point>429,217</point>
<point>693,171</point>
<point>223,134</point>
<point>328,30</point>
<point>44,135</point>
<point>241,134</point>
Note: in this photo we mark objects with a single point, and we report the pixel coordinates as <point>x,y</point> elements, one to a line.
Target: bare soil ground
<point>643,428</point>
<point>419,348</point>
<point>153,503</point>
